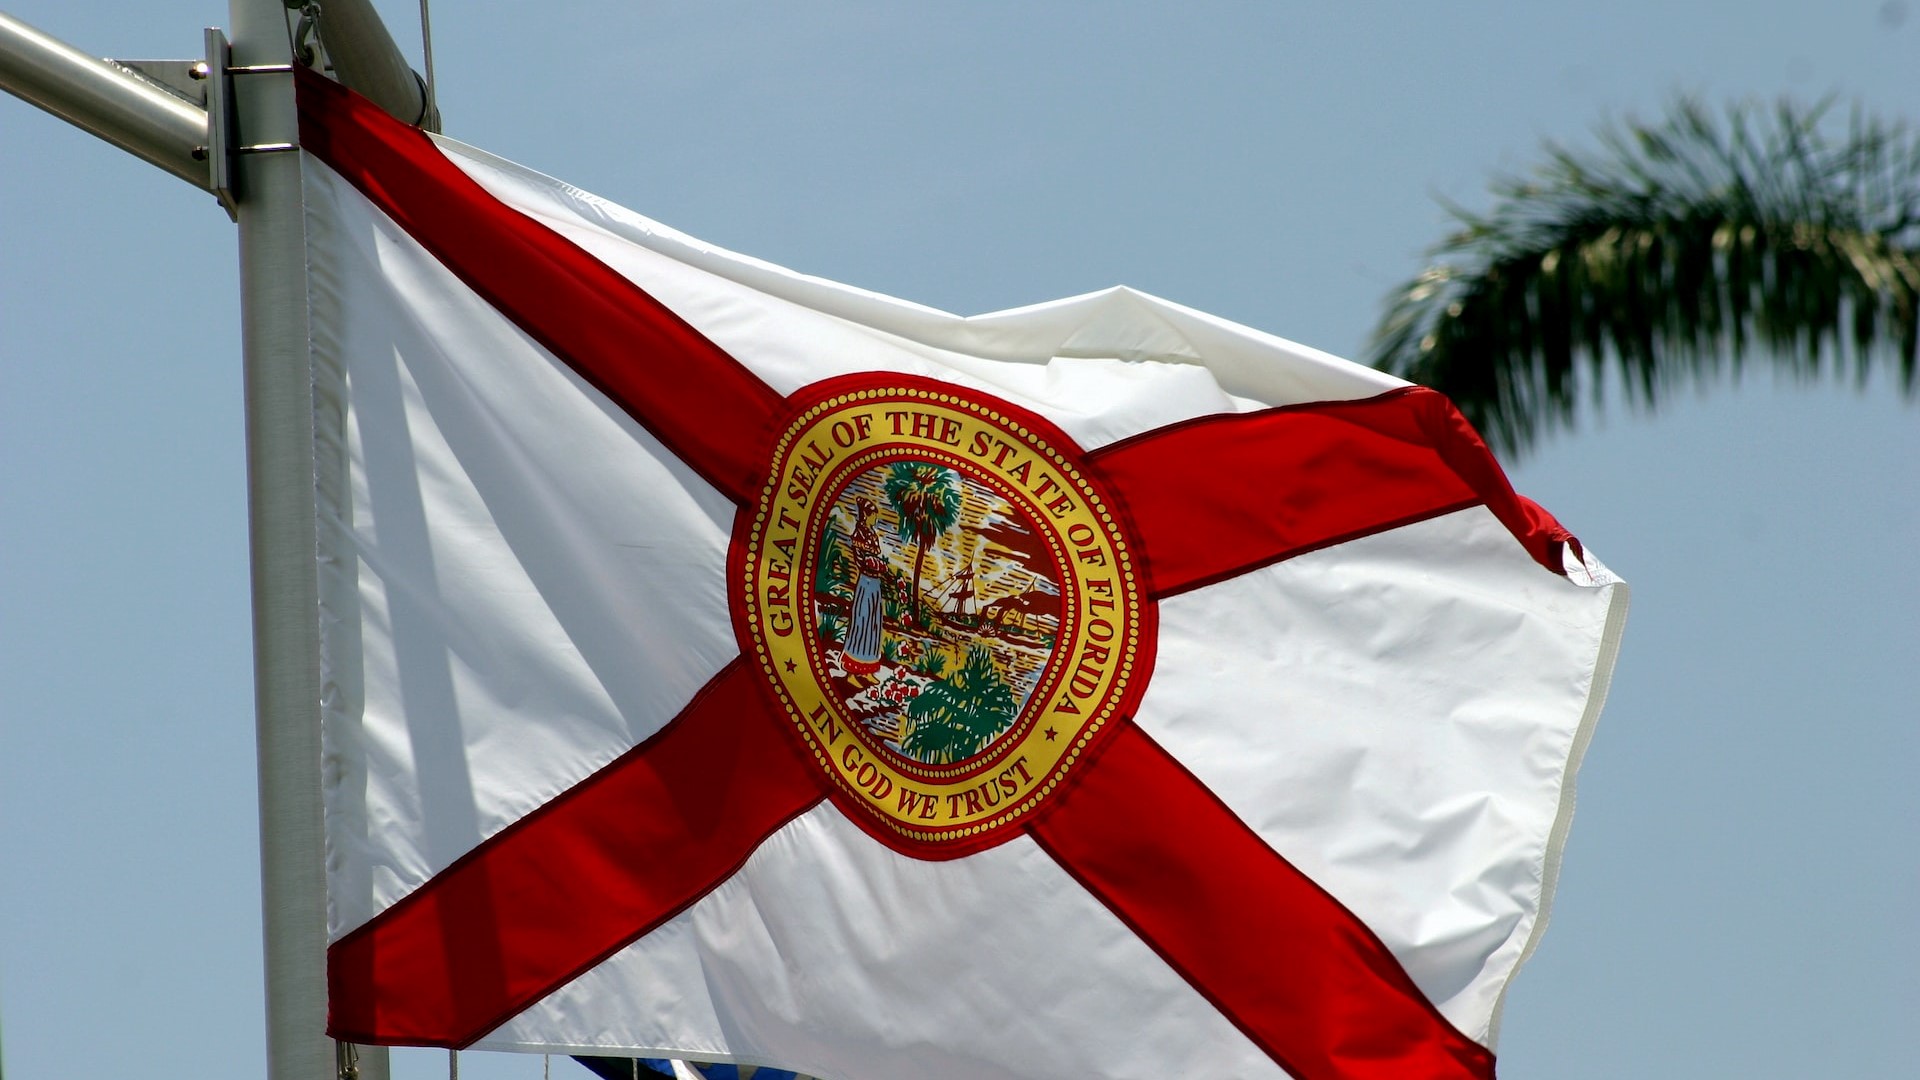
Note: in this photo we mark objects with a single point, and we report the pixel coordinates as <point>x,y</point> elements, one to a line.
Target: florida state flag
<point>722,663</point>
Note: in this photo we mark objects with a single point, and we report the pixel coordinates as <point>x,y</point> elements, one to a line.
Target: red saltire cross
<point>560,890</point>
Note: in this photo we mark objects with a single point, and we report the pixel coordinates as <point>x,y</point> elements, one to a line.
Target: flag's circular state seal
<point>945,603</point>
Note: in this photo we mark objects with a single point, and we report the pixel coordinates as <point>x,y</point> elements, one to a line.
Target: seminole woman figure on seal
<point>861,656</point>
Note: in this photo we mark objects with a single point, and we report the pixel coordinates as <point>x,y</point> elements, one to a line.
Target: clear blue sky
<point>1741,895</point>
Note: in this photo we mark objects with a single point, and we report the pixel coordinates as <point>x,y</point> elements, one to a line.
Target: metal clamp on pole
<point>364,57</point>
<point>220,121</point>
<point>223,141</point>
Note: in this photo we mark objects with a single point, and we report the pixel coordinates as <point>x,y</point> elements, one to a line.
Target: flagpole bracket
<point>221,124</point>
<point>184,79</point>
<point>214,77</point>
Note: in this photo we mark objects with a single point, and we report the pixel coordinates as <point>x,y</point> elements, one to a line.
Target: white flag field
<point>723,663</point>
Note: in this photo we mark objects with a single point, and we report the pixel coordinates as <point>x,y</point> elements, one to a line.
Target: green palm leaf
<point>1676,249</point>
<point>958,716</point>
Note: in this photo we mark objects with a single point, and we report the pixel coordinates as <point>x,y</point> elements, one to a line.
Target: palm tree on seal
<point>926,500</point>
<point>1675,249</point>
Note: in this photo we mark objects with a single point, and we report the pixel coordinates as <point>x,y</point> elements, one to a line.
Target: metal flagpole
<point>279,402</point>
<point>279,435</point>
<point>365,58</point>
<point>279,406</point>
<point>106,99</point>
<point>228,125</point>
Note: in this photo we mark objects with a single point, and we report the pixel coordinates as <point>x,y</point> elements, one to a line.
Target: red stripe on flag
<point>1276,954</point>
<point>703,404</point>
<point>1222,495</point>
<point>576,880</point>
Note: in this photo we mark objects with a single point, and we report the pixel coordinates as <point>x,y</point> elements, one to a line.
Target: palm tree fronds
<point>1672,250</point>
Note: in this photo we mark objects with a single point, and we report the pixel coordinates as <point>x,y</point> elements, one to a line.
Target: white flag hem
<point>1619,600</point>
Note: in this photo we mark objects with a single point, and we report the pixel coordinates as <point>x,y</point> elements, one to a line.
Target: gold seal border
<point>934,774</point>
<point>1128,603</point>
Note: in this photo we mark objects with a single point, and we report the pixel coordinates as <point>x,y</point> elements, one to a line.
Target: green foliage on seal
<point>960,715</point>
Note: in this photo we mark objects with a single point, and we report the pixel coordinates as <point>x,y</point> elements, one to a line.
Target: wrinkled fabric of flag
<point>653,1068</point>
<point>526,591</point>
